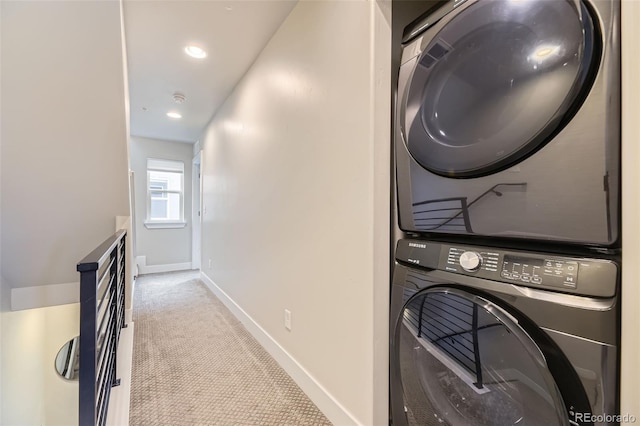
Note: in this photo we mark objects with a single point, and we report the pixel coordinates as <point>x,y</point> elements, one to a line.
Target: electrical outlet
<point>209,263</point>
<point>287,319</point>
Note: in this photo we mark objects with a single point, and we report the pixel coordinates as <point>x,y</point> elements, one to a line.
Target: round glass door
<point>496,82</point>
<point>465,361</point>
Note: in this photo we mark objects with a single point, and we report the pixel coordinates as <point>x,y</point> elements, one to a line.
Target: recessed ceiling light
<point>173,114</point>
<point>195,52</point>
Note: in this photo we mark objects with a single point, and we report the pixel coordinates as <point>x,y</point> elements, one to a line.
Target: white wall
<point>380,115</point>
<point>64,158</point>
<point>2,333</point>
<point>161,246</point>
<point>63,181</point>
<point>34,393</point>
<point>2,289</point>
<point>630,370</point>
<point>296,188</point>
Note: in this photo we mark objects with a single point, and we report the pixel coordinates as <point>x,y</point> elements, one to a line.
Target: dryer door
<point>495,83</point>
<point>463,360</point>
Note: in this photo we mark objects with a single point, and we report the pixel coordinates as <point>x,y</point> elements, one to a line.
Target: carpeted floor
<point>194,363</point>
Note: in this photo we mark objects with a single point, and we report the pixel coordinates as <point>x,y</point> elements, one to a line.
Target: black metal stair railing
<point>444,214</point>
<point>102,302</point>
<point>450,324</point>
<point>452,214</point>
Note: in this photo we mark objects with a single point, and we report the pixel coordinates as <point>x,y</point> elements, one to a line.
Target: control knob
<point>470,261</point>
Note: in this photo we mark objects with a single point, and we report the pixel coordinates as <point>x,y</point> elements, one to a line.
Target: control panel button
<point>470,261</point>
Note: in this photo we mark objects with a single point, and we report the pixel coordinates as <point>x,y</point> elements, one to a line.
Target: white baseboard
<point>331,408</point>
<point>45,295</point>
<point>118,414</point>
<point>128,316</point>
<point>143,268</point>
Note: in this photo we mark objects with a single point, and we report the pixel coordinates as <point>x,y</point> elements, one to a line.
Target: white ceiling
<point>233,33</point>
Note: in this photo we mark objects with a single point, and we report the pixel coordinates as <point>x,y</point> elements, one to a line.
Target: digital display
<point>525,262</point>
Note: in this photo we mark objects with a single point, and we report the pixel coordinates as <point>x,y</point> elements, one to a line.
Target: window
<point>165,194</point>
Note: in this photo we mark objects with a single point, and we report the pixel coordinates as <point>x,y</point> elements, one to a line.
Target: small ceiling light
<point>179,97</point>
<point>229,8</point>
<point>195,52</point>
<point>173,114</point>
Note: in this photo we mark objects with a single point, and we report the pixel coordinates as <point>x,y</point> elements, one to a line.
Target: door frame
<point>196,215</point>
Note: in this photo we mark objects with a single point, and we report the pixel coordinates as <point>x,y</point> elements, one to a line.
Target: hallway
<point>195,363</point>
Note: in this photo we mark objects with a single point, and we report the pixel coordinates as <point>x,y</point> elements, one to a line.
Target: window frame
<point>167,166</point>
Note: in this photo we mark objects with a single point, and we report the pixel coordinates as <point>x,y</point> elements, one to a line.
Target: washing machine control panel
<point>547,271</point>
<point>573,275</point>
<point>577,275</point>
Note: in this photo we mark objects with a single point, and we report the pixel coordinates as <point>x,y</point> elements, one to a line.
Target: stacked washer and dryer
<point>505,293</point>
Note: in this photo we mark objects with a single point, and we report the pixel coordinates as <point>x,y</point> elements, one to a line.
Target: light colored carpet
<point>194,363</point>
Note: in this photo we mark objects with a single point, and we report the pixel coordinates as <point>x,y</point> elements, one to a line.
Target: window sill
<point>165,225</point>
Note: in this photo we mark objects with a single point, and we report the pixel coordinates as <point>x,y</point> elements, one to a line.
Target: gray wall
<point>161,246</point>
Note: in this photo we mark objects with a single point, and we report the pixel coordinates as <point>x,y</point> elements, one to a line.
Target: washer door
<point>496,82</point>
<point>465,361</point>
